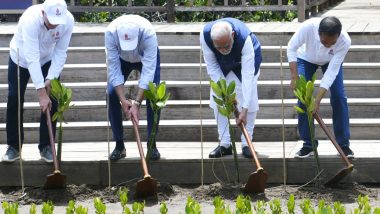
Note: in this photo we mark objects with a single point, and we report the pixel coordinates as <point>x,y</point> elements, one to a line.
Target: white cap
<point>55,11</point>
<point>128,34</point>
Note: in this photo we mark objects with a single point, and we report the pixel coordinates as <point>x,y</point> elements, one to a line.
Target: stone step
<point>189,90</point>
<point>190,54</point>
<point>190,130</point>
<point>191,71</point>
<point>190,109</point>
<point>86,163</point>
<point>182,37</point>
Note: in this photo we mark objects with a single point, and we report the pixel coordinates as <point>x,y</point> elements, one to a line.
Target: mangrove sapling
<point>138,207</point>
<point>225,100</point>
<point>123,196</point>
<point>377,210</point>
<point>364,205</point>
<point>260,207</point>
<point>70,209</point>
<point>63,97</point>
<point>47,207</point>
<point>306,207</point>
<point>10,208</point>
<point>220,207</point>
<point>33,209</point>
<point>275,206</point>
<point>304,92</point>
<point>163,208</point>
<point>243,205</point>
<point>192,207</point>
<point>158,96</point>
<point>323,208</point>
<point>339,208</point>
<point>291,204</point>
<point>81,210</point>
<point>100,207</point>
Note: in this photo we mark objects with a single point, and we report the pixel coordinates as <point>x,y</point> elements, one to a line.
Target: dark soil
<point>346,193</point>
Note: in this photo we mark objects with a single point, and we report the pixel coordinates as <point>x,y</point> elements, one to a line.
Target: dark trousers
<point>114,110</point>
<point>12,106</point>
<point>338,101</point>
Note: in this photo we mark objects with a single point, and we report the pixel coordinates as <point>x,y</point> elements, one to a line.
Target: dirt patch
<point>346,193</point>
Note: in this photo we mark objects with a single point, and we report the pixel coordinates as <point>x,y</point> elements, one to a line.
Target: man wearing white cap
<point>39,47</point>
<point>131,44</point>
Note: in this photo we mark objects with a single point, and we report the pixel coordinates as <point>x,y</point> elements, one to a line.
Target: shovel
<point>56,179</point>
<point>257,180</point>
<point>147,186</point>
<point>333,182</point>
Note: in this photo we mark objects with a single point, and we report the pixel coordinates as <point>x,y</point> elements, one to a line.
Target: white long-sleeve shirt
<point>146,51</point>
<point>37,45</point>
<point>249,79</point>
<point>306,44</point>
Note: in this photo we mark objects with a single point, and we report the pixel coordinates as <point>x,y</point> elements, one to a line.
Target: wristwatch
<point>138,103</point>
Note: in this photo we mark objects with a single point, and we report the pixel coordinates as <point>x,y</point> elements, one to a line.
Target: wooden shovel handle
<point>248,139</point>
<point>139,146</point>
<point>52,141</point>
<point>332,138</point>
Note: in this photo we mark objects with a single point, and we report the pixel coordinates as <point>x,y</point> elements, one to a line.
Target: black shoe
<point>155,154</point>
<point>246,153</point>
<point>118,154</point>
<point>304,152</point>
<point>347,151</point>
<point>220,151</point>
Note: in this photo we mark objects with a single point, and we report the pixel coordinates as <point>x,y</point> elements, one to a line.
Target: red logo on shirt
<point>57,12</point>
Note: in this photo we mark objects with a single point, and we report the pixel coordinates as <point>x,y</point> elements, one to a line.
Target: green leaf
<point>299,110</point>
<point>160,104</point>
<point>223,86</point>
<point>223,111</point>
<point>217,100</point>
<point>215,87</point>
<point>231,88</point>
<point>55,116</point>
<point>153,90</point>
<point>161,90</point>
<point>148,94</point>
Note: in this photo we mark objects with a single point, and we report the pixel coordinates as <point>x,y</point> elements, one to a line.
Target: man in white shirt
<point>322,43</point>
<point>131,44</point>
<point>232,52</point>
<point>39,48</point>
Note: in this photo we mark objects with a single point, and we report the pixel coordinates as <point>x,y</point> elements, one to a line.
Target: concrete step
<point>190,109</point>
<point>172,35</point>
<point>190,90</point>
<point>86,163</point>
<point>191,71</point>
<point>190,130</point>
<point>190,54</point>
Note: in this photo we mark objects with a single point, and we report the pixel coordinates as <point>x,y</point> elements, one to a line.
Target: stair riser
<point>193,73</point>
<point>98,113</point>
<point>192,133</point>
<point>192,92</point>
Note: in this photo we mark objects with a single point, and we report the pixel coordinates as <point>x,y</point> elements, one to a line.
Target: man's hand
<point>126,106</point>
<point>45,102</point>
<point>293,83</point>
<point>294,74</point>
<point>47,87</point>
<point>242,119</point>
<point>134,112</point>
<point>318,99</point>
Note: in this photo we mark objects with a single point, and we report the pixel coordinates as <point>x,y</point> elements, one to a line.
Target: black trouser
<point>12,106</point>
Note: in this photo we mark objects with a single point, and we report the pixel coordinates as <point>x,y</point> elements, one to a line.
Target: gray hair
<point>221,29</point>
